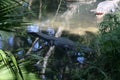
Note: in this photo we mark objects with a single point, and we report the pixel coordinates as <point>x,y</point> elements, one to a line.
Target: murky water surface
<point>77,20</point>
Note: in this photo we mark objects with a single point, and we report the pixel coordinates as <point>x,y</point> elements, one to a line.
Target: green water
<point>83,17</point>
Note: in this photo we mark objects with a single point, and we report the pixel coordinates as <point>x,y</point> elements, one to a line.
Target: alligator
<point>59,42</point>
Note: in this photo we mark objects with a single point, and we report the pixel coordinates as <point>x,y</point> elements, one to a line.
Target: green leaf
<point>15,64</point>
<point>14,67</point>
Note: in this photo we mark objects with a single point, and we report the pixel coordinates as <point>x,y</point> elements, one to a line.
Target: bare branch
<point>40,10</point>
<point>48,54</point>
<point>58,8</point>
<point>29,51</point>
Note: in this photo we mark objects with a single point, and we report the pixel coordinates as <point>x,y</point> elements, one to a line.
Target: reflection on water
<point>82,20</point>
<point>83,16</point>
<point>77,19</point>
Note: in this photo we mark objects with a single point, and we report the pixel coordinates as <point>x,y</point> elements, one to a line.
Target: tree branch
<point>29,51</point>
<point>48,54</point>
<point>58,8</point>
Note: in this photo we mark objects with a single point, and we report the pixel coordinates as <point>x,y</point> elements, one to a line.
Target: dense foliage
<point>11,20</point>
<point>109,45</point>
<point>101,64</point>
<point>11,15</point>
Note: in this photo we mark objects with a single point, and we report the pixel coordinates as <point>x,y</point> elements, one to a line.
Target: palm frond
<point>10,62</point>
<point>11,15</point>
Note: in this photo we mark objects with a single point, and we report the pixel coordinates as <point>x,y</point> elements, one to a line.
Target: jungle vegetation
<point>102,63</point>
